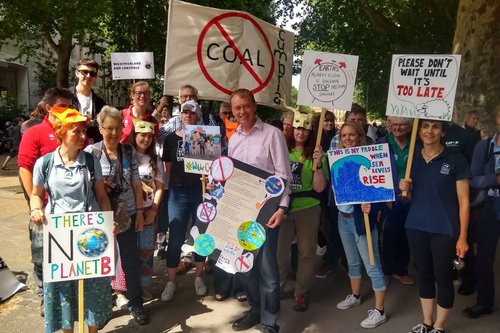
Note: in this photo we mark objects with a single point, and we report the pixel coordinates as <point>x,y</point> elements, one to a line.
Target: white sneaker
<point>320,251</point>
<point>169,291</point>
<point>349,302</point>
<point>146,295</point>
<point>200,286</point>
<point>374,319</point>
<point>121,302</point>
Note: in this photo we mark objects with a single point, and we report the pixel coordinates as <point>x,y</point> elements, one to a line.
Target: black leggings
<point>433,254</point>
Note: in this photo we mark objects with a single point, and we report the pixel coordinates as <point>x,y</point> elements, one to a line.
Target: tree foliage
<point>32,25</point>
<point>374,30</point>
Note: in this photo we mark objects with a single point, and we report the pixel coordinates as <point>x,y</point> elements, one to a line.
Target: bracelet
<point>141,209</point>
<point>31,211</point>
<point>154,208</point>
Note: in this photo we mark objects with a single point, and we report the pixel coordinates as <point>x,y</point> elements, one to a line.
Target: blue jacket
<point>483,166</point>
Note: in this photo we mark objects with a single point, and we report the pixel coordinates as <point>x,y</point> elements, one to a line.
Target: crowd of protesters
<point>131,162</point>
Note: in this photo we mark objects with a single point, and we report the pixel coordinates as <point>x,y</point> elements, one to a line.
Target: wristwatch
<point>284,208</point>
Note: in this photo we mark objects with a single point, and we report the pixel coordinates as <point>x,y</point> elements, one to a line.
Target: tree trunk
<point>477,39</point>
<point>139,26</point>
<point>63,58</point>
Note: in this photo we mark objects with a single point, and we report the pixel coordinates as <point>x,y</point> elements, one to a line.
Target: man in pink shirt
<point>264,147</point>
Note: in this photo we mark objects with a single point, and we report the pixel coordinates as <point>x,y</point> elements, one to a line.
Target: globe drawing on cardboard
<point>92,242</point>
<point>204,245</point>
<point>251,235</point>
<point>274,186</point>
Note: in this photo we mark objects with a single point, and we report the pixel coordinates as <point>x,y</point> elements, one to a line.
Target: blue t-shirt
<point>67,195</point>
<point>434,202</point>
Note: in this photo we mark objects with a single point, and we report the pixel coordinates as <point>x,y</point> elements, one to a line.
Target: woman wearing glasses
<point>124,187</point>
<point>140,99</point>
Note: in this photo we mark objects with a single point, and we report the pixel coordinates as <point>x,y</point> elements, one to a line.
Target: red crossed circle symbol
<point>215,21</point>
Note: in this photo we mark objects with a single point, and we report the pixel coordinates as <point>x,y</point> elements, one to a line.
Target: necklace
<point>428,158</point>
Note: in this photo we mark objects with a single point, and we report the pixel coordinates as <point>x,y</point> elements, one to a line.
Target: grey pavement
<point>190,313</point>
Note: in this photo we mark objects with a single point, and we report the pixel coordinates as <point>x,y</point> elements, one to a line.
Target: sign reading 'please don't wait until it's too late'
<point>78,246</point>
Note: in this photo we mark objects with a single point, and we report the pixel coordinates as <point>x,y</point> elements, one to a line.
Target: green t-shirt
<point>400,155</point>
<point>302,179</point>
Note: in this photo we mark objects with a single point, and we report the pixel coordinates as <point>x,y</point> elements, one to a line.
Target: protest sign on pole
<point>220,51</point>
<point>231,222</point>
<point>132,65</point>
<point>422,87</point>
<point>362,175</point>
<point>201,145</point>
<point>78,246</point>
<point>327,80</point>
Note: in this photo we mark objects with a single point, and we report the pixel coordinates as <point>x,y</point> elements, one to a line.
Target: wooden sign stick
<point>411,152</point>
<point>369,239</point>
<point>320,134</point>
<point>203,184</point>
<point>80,307</point>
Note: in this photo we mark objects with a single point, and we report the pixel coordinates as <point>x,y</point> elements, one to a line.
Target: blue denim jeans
<point>182,204</point>
<point>356,250</point>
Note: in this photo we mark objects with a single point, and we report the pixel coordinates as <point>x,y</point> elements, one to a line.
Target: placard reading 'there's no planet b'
<point>78,246</point>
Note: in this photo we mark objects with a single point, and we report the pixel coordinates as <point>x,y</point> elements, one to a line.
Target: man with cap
<point>186,93</point>
<point>262,284</point>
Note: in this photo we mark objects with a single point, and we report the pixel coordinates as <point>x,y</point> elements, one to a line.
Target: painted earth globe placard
<point>204,245</point>
<point>251,235</point>
<point>92,242</point>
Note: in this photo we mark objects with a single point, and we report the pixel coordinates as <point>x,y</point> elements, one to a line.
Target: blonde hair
<point>358,129</point>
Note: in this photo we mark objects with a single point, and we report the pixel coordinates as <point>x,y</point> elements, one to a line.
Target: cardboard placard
<point>423,86</point>
<point>361,174</point>
<point>78,246</point>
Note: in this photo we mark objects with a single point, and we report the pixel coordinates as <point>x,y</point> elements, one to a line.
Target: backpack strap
<point>48,163</point>
<point>89,162</point>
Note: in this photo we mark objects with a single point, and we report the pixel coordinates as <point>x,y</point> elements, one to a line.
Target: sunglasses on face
<point>87,73</point>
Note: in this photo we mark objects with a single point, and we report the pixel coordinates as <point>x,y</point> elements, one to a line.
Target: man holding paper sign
<point>262,284</point>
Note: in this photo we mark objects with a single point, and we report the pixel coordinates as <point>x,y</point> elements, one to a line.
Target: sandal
<point>241,297</point>
<point>5,168</point>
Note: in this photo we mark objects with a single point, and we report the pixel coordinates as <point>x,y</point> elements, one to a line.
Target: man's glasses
<point>112,129</point>
<point>188,96</point>
<point>398,125</point>
<point>226,113</point>
<point>142,93</point>
<point>87,73</point>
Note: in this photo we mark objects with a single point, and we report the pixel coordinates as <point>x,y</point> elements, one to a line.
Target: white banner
<point>219,51</point>
<point>327,80</point>
<point>423,86</point>
<point>78,246</point>
<point>132,66</point>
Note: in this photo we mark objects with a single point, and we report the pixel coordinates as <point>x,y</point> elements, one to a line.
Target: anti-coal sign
<point>219,51</point>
